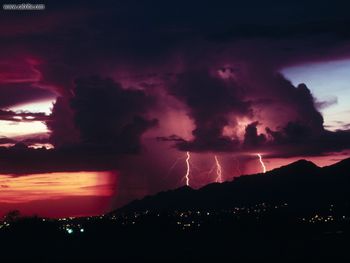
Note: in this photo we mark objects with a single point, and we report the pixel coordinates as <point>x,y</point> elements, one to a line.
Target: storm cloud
<point>210,101</point>
<point>104,114</point>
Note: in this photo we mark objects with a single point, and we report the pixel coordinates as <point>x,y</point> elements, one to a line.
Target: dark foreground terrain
<point>298,213</point>
<point>270,236</point>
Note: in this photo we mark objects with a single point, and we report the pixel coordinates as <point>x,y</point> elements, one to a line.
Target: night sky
<point>102,102</point>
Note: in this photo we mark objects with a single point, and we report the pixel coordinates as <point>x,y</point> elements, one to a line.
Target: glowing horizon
<point>17,191</point>
<point>44,106</point>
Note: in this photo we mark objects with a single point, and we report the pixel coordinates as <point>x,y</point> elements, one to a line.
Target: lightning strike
<point>218,170</point>
<point>187,175</point>
<point>262,163</point>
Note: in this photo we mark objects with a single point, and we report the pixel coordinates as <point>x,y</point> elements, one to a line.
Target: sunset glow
<point>44,106</point>
<point>13,129</point>
<point>52,187</point>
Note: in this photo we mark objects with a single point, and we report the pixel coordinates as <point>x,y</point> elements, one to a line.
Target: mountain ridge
<point>300,182</point>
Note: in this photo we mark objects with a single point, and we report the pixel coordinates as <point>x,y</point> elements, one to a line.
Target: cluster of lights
<point>324,218</point>
<point>188,225</point>
<point>65,219</point>
<point>258,208</point>
<point>319,219</point>
<point>189,219</point>
<point>4,224</point>
<point>71,228</point>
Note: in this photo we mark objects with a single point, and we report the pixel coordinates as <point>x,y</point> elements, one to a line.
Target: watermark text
<point>23,7</point>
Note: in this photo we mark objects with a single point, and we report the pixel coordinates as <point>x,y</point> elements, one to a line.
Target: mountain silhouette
<point>301,167</point>
<point>300,183</point>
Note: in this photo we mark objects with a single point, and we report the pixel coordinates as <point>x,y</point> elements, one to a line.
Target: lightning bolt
<point>218,170</point>
<point>262,163</point>
<point>187,175</point>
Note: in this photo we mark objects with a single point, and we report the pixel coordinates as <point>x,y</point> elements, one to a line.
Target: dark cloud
<point>171,138</point>
<point>251,137</point>
<point>326,103</point>
<point>36,139</point>
<point>297,139</point>
<point>21,160</point>
<point>290,122</point>
<point>306,108</point>
<point>300,130</point>
<point>8,115</point>
<point>277,101</point>
<point>5,140</point>
<point>126,36</point>
<point>61,124</point>
<point>209,100</point>
<point>104,114</point>
<point>296,29</point>
<point>24,142</point>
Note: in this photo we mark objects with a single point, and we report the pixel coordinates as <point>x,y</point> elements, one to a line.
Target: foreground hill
<point>301,183</point>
